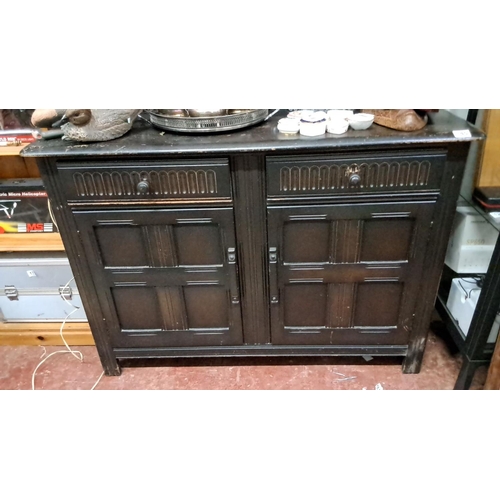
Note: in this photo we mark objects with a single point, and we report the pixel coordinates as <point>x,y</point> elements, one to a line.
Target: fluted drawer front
<point>319,175</point>
<point>146,181</point>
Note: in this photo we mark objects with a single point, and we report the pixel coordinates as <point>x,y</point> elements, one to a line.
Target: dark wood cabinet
<point>256,243</point>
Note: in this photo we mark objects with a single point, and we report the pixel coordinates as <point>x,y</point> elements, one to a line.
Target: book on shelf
<point>16,141</point>
<point>15,137</point>
<point>24,207</point>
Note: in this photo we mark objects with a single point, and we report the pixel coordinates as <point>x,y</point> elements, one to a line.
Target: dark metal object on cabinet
<point>298,263</point>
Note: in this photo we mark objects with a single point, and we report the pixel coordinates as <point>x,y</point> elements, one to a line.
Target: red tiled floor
<point>63,371</point>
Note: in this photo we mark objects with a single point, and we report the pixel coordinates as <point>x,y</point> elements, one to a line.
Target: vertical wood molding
<point>172,307</point>
<point>161,248</point>
<point>250,211</point>
<point>81,270</point>
<point>341,304</point>
<point>444,215</point>
<point>346,241</point>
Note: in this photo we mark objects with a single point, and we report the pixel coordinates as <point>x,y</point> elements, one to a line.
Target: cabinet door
<point>165,277</point>
<point>346,275</point>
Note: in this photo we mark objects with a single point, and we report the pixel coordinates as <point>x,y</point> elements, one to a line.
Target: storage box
<point>472,242</point>
<point>462,301</point>
<point>39,287</point>
<point>24,207</point>
<point>488,197</point>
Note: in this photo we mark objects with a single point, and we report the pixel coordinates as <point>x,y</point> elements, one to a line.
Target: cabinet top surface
<point>146,139</point>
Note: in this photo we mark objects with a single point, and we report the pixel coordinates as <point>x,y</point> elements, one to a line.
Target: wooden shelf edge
<point>31,242</point>
<point>75,334</point>
<point>12,150</point>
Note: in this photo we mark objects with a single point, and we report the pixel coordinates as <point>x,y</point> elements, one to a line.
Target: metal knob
<point>143,187</point>
<point>354,180</point>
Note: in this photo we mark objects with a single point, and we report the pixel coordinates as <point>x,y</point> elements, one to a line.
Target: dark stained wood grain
<point>439,234</point>
<point>80,266</point>
<point>251,234</point>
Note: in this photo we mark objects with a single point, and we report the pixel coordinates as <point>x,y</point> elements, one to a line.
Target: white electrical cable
<point>77,354</point>
<point>75,308</point>
<point>52,215</point>
<point>98,380</point>
<point>68,351</point>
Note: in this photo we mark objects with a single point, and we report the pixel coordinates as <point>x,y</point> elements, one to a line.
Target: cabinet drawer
<point>294,176</point>
<point>145,181</point>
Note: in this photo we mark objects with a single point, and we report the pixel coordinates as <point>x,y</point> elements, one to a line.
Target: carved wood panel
<point>173,180</point>
<point>295,175</point>
<point>346,275</point>
<point>166,277</point>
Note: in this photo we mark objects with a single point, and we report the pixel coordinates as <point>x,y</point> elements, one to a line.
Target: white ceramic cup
<point>337,126</point>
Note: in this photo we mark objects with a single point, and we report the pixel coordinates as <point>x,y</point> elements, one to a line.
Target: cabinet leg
<point>108,359</point>
<point>110,366</point>
<point>411,367</point>
<point>466,375</point>
<point>113,372</point>
<point>413,360</point>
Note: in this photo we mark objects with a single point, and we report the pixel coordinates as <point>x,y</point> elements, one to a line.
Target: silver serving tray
<point>207,124</point>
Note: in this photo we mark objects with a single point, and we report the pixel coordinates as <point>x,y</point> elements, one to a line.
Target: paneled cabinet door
<point>346,275</point>
<point>165,277</point>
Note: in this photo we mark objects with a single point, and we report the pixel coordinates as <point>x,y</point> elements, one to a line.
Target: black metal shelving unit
<point>474,346</point>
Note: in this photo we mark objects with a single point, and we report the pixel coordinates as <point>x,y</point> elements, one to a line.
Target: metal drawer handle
<point>354,180</point>
<point>233,280</point>
<point>273,275</point>
<point>273,254</point>
<point>143,187</point>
